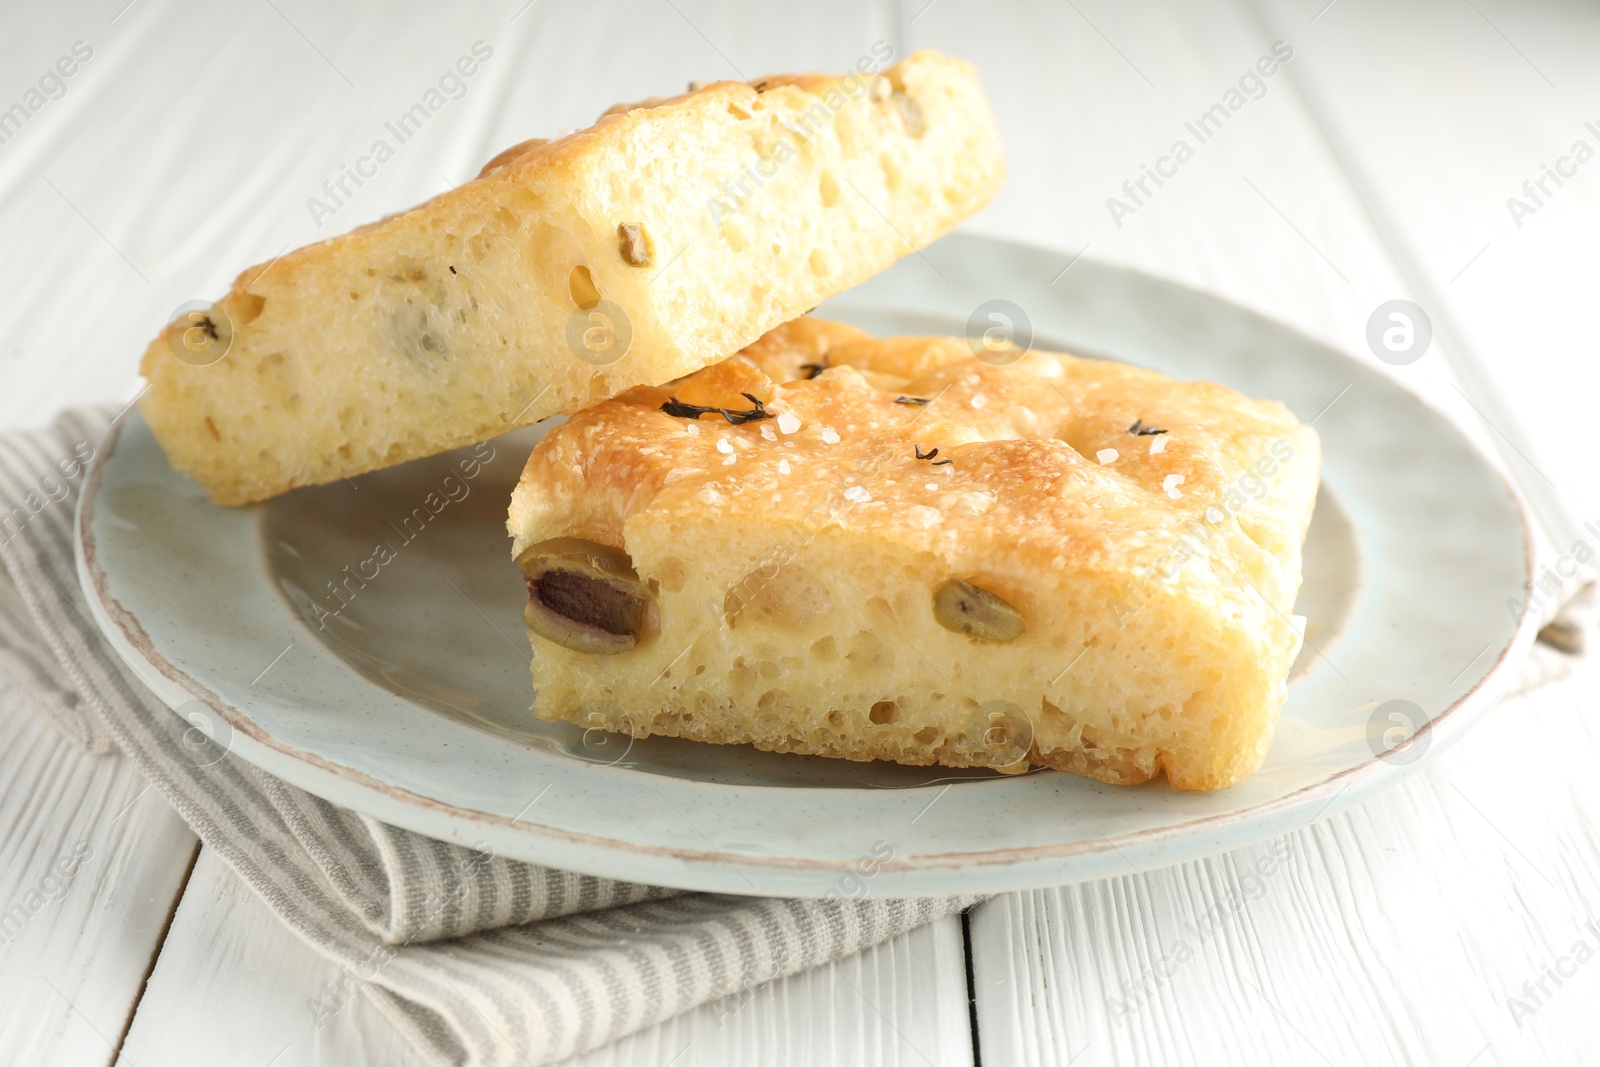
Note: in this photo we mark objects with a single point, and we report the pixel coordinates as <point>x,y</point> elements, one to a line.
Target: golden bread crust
<point>794,558</point>
<point>455,321</point>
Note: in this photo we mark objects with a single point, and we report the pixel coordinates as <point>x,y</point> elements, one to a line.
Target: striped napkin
<point>477,959</point>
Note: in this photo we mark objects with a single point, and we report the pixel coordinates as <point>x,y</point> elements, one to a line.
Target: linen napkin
<point>479,960</point>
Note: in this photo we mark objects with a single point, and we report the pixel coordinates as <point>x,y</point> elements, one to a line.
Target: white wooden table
<point>1444,922</point>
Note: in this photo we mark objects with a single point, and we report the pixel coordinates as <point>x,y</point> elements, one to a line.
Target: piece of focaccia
<point>893,549</point>
<point>665,237</point>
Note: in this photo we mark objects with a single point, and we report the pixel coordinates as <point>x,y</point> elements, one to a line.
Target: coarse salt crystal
<point>1158,445</point>
<point>829,437</point>
<point>724,447</point>
<point>767,434</point>
<point>783,466</point>
<point>979,401</point>
<point>788,422</point>
<point>730,461</point>
<point>923,516</point>
<point>932,486</point>
<point>692,429</point>
<point>1106,455</point>
<point>857,493</point>
<point>1170,483</point>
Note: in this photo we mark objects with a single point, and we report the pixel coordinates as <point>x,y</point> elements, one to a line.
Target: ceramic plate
<point>396,682</point>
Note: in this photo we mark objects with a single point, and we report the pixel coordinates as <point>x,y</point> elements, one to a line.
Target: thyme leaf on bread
<point>928,455</point>
<point>915,401</point>
<point>678,409</point>
<point>1139,429</point>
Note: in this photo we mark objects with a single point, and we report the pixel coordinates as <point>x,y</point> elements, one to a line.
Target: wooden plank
<point>255,108</point>
<point>91,864</point>
<point>1450,119</point>
<point>902,1003</point>
<point>1447,920</point>
<point>1090,95</point>
<point>539,82</point>
<point>264,71</point>
<point>233,986</point>
<point>69,211</point>
<point>1401,931</point>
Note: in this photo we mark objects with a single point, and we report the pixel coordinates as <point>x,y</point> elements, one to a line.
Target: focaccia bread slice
<point>665,237</point>
<point>894,549</point>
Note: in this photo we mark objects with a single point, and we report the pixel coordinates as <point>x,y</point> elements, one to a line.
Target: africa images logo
<point>452,85</point>
<point>1251,85</point>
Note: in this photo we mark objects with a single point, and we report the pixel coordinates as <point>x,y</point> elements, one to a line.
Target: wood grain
<point>294,74</point>
<point>1398,932</point>
<point>91,864</point>
<point>1393,934</point>
<point>233,986</point>
<point>1437,172</point>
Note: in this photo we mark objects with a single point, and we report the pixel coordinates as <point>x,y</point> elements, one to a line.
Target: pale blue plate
<point>411,703</point>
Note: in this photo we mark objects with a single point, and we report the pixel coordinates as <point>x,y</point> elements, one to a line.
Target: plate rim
<point>1030,866</point>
